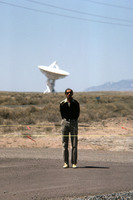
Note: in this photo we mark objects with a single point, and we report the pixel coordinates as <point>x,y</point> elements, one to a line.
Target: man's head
<point>69,94</point>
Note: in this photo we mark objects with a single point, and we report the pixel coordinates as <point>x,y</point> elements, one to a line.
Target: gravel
<point>113,196</point>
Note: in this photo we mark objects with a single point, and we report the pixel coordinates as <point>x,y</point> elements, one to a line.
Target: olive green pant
<point>71,127</point>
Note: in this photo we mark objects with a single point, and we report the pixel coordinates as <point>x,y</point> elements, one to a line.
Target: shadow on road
<point>93,167</point>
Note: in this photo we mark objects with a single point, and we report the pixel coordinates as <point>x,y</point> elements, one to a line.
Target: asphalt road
<point>37,174</point>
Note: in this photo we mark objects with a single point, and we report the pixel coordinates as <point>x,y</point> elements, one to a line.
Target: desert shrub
<point>82,99</point>
<point>1,120</point>
<point>5,113</point>
<point>111,107</point>
<point>32,108</point>
<point>7,129</point>
<point>48,129</point>
<point>51,112</point>
<point>28,120</point>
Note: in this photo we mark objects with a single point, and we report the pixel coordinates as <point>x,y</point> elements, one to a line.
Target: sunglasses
<point>69,92</point>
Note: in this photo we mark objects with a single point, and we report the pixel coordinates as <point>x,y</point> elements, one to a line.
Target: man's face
<point>69,94</point>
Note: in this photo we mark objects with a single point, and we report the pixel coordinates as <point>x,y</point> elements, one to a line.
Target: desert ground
<point>111,135</point>
<point>31,161</point>
<point>31,146</point>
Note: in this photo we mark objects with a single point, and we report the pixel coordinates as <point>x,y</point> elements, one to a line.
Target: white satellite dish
<point>52,72</point>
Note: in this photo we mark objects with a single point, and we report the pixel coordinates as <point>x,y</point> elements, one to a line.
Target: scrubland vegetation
<point>37,108</point>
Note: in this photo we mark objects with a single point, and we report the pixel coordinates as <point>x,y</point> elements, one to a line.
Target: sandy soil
<point>111,135</point>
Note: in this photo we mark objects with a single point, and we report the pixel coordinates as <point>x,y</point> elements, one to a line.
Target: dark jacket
<point>71,111</point>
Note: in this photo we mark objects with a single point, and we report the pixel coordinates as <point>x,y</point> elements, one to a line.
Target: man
<point>70,110</point>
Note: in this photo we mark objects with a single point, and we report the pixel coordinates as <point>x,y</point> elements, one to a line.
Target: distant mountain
<point>123,85</point>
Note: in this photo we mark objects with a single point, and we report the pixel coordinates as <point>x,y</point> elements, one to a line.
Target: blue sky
<point>95,49</point>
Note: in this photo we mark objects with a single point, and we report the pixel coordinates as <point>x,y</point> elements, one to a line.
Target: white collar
<point>67,101</point>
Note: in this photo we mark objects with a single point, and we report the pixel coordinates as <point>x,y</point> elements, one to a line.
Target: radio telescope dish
<point>52,72</point>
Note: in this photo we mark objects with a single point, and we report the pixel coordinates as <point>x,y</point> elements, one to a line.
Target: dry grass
<point>37,108</point>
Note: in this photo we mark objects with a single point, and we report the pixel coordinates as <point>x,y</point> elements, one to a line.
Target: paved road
<point>37,174</point>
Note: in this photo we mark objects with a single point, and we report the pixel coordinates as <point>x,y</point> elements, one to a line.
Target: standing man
<point>69,109</point>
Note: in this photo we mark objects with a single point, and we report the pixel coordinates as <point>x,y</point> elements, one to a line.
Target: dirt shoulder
<point>111,135</point>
